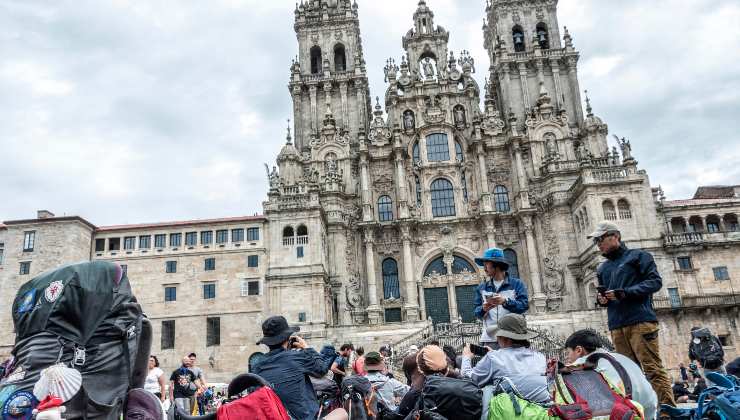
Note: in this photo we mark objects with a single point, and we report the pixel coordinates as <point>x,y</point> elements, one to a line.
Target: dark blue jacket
<point>635,272</point>
<point>287,371</point>
<point>517,305</point>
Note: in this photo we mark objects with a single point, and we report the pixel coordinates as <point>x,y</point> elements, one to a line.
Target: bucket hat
<point>512,326</point>
<point>374,362</point>
<point>494,255</point>
<point>276,330</point>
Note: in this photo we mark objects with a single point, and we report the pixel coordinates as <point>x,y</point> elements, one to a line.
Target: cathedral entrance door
<point>437,304</point>
<point>465,296</point>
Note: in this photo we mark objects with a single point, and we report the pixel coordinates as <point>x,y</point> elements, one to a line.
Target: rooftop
<point>717,191</point>
<point>180,223</point>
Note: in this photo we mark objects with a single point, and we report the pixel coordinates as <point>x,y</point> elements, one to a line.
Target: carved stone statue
<point>273,176</point>
<point>459,116</point>
<point>331,167</point>
<point>408,120</point>
<point>428,68</point>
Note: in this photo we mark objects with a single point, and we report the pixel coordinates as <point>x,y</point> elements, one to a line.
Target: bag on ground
<point>458,399</point>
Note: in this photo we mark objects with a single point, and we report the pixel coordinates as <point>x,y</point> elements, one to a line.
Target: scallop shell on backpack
<point>58,380</point>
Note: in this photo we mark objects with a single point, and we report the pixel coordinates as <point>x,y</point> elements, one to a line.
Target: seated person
<point>584,342</point>
<point>287,369</point>
<point>701,386</point>
<point>430,360</point>
<point>515,360</point>
<point>388,389</point>
<point>680,392</point>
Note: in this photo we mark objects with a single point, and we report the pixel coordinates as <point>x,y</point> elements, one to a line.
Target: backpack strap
<point>593,359</point>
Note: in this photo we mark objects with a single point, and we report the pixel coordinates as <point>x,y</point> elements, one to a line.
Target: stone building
<point>374,213</point>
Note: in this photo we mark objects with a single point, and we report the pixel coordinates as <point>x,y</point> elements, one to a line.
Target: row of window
<point>246,288</point>
<point>175,239</point>
<point>720,273</point>
<point>213,333</point>
<point>542,37</point>
<point>622,210</point>
<point>714,224</point>
<point>317,61</point>
<point>210,264</point>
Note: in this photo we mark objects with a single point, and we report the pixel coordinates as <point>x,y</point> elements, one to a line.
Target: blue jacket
<point>635,272</point>
<point>517,302</point>
<point>287,371</point>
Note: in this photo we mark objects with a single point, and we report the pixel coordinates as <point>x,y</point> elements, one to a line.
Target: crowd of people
<point>186,386</point>
<point>627,280</point>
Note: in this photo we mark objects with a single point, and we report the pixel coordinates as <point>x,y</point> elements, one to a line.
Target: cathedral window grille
<point>438,149</point>
<point>459,152</point>
<point>391,289</point>
<point>459,265</point>
<point>385,209</point>
<point>464,182</point>
<point>501,199</point>
<point>316,59</point>
<point>624,209</point>
<point>609,212</point>
<point>543,38</point>
<point>340,58</point>
<point>415,153</point>
<point>517,34</point>
<point>418,190</point>
<point>511,257</point>
<point>302,235</point>
<point>443,198</point>
<point>288,235</point>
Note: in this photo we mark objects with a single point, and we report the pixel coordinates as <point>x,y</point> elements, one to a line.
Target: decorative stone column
<point>490,232</point>
<point>539,298</point>
<point>451,292</point>
<point>575,89</point>
<point>485,194</point>
<point>367,211</point>
<point>403,207</point>
<point>522,176</point>
<point>373,310</point>
<point>555,67</point>
<point>411,305</point>
<point>313,91</point>
<point>525,84</point>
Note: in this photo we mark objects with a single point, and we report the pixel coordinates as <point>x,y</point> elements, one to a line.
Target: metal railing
<point>706,301</point>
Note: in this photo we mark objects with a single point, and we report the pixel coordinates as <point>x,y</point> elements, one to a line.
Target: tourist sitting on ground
<point>387,389</point>
<point>584,342</point>
<point>701,386</point>
<point>680,392</point>
<point>515,360</point>
<point>288,366</point>
<point>430,360</point>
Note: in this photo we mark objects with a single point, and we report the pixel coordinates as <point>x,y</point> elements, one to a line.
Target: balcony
<point>698,238</point>
<point>696,302</point>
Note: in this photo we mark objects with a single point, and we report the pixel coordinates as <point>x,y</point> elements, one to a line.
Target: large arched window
<point>678,225</point>
<point>624,209</point>
<point>385,209</point>
<point>340,58</point>
<point>510,256</point>
<point>459,265</point>
<point>517,34</point>
<point>288,235</point>
<point>437,148</point>
<point>416,156</point>
<point>391,289</point>
<point>543,37</point>
<point>418,190</point>
<point>713,223</point>
<point>501,199</point>
<point>302,235</point>
<point>696,224</point>
<point>316,60</point>
<point>459,152</point>
<point>609,212</point>
<point>443,198</point>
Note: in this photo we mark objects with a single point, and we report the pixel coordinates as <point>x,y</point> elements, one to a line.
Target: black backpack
<point>86,317</point>
<point>453,398</point>
<point>709,351</point>
<point>359,398</point>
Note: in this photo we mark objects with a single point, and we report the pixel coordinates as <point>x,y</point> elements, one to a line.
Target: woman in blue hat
<point>499,295</point>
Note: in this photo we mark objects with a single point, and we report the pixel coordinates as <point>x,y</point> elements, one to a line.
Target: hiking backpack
<point>454,398</point>
<point>581,392</point>
<point>85,317</point>
<point>709,351</point>
<point>359,398</point>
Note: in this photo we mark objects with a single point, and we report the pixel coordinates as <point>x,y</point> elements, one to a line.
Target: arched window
<point>712,223</point>
<point>624,209</point>
<point>391,289</point>
<point>385,209</point>
<point>254,360</point>
<point>288,235</point>
<point>459,265</point>
<point>696,224</point>
<point>678,225</point>
<point>415,153</point>
<point>302,230</point>
<point>543,37</point>
<point>517,34</point>
<point>464,182</point>
<point>609,212</point>
<point>731,223</point>
<point>340,58</point>
<point>510,256</point>
<point>459,152</point>
<point>443,198</point>
<point>437,148</point>
<point>418,190</point>
<point>316,60</point>
<point>501,199</point>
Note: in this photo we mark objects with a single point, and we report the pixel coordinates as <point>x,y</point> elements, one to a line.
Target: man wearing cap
<point>627,281</point>
<point>388,389</point>
<point>287,368</point>
<point>515,360</point>
<point>499,295</point>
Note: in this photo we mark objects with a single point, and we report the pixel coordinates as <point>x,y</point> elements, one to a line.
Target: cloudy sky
<point>127,111</point>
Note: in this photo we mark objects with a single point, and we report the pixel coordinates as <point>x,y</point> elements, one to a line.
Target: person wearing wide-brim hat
<point>499,295</point>
<point>388,389</point>
<point>515,360</point>
<point>288,366</point>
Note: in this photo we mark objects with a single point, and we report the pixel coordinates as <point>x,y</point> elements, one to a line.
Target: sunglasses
<point>601,238</point>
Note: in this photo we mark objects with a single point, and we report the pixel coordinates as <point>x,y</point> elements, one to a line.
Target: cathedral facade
<point>377,208</point>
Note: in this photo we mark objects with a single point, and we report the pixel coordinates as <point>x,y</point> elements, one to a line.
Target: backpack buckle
<point>131,332</point>
<point>79,357</point>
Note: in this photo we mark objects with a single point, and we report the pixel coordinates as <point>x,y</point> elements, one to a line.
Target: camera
<point>292,341</point>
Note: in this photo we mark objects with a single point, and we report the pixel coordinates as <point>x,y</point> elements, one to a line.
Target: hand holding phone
<point>478,350</point>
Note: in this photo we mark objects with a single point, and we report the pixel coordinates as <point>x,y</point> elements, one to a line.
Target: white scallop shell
<point>59,381</point>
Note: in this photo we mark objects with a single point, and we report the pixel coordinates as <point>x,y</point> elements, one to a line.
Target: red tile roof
<point>716,191</point>
<point>699,202</point>
<point>181,223</point>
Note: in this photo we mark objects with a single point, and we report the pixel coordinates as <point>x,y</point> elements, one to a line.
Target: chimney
<point>44,214</point>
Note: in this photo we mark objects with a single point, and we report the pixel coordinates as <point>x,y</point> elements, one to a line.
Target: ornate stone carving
<point>433,112</point>
<point>353,292</point>
<point>409,122</point>
<point>273,177</point>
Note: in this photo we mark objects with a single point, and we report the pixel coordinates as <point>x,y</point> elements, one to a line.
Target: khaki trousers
<point>639,342</point>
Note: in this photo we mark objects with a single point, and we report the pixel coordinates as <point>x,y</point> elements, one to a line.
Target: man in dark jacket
<point>627,280</point>
<point>499,295</point>
<point>287,368</point>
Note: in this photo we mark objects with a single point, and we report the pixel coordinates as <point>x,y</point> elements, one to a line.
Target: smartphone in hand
<point>478,350</point>
<point>601,290</point>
